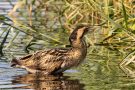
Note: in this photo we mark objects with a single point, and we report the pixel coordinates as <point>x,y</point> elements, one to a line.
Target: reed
<point>48,21</point>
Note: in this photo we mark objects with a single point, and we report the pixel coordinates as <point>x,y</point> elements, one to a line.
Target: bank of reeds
<point>49,21</point>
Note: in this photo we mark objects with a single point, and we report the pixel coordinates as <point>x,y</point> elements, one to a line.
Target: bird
<point>56,60</point>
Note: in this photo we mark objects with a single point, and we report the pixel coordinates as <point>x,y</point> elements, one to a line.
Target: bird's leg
<point>60,71</point>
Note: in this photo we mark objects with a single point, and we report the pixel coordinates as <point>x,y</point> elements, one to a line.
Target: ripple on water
<point>7,74</point>
<point>18,79</point>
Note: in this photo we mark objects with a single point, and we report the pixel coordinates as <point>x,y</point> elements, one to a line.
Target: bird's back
<point>49,61</point>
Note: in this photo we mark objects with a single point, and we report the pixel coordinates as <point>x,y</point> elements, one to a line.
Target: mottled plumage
<point>55,61</point>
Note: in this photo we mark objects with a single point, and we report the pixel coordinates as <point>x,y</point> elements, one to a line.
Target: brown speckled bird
<point>57,60</point>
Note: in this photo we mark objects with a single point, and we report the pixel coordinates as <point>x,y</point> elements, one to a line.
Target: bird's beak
<point>90,29</point>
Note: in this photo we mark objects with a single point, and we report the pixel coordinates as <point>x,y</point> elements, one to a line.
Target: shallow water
<point>96,73</point>
<point>19,79</point>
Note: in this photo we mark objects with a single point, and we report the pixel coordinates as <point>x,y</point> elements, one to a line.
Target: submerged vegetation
<point>49,22</point>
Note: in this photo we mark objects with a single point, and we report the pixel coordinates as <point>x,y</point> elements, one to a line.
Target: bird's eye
<point>72,40</point>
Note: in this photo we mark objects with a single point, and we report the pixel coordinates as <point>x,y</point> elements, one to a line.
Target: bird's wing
<point>45,60</point>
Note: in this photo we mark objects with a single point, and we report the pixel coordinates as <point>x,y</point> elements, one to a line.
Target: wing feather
<point>45,60</point>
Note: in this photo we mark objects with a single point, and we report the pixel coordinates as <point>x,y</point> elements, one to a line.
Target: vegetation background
<point>38,24</point>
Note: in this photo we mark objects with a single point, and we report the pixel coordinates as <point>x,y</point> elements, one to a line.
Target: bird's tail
<point>14,62</point>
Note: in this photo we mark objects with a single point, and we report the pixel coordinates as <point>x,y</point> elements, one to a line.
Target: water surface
<point>19,79</point>
<point>97,72</point>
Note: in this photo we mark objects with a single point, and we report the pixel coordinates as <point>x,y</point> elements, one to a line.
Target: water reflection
<point>41,82</point>
<point>18,79</point>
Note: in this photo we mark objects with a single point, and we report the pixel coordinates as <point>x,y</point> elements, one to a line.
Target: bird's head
<point>79,32</point>
<point>76,37</point>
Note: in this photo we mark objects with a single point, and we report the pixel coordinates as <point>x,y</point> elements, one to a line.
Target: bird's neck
<point>79,44</point>
<point>79,51</point>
